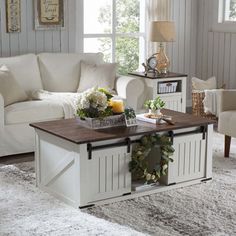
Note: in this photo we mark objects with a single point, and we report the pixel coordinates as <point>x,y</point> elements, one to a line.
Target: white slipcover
<point>60,72</point>
<point>227,121</point>
<point>25,71</point>
<point>227,117</point>
<point>33,111</point>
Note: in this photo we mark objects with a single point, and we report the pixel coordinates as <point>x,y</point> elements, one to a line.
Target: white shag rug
<point>26,210</point>
<point>203,209</point>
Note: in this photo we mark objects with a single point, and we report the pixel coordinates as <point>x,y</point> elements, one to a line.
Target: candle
<point>117,106</point>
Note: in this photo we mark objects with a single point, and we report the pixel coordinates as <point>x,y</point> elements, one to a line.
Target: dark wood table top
<point>151,75</point>
<point>70,130</point>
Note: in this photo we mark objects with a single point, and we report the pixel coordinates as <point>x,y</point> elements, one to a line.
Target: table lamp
<point>162,31</point>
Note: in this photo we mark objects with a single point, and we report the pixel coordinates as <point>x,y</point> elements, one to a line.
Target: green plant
<point>130,113</point>
<point>155,104</point>
<point>139,164</point>
<point>127,22</point>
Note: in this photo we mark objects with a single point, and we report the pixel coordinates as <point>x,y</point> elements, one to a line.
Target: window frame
<point>219,22</point>
<point>113,35</point>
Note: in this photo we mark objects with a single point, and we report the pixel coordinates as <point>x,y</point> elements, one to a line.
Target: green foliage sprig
<point>130,113</point>
<point>155,104</point>
<point>139,164</point>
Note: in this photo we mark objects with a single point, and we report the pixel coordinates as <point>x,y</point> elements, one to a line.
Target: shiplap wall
<point>182,53</point>
<point>216,51</point>
<point>36,41</point>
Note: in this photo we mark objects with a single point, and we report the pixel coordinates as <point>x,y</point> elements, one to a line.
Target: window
<point>226,11</point>
<point>229,10</point>
<point>116,28</point>
<point>224,16</point>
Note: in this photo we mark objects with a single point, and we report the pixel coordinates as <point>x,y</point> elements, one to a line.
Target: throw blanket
<point>212,101</point>
<point>66,100</point>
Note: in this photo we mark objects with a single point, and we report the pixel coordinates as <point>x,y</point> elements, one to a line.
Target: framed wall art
<point>13,16</point>
<point>49,14</point>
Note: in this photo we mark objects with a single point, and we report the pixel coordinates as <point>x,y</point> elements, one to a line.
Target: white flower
<point>92,98</point>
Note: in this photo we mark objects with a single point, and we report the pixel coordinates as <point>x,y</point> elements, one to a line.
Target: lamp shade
<point>162,31</point>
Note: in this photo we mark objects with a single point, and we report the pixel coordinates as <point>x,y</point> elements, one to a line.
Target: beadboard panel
<point>216,51</point>
<point>183,51</point>
<point>36,41</point>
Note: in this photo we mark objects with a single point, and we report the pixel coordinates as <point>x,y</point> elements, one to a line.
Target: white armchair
<point>227,117</point>
<point>1,112</point>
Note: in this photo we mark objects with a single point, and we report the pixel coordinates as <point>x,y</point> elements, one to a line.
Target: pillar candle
<point>117,106</point>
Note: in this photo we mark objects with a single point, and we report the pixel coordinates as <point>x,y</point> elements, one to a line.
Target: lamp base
<point>163,62</point>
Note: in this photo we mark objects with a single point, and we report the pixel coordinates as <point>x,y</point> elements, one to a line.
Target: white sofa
<point>55,72</point>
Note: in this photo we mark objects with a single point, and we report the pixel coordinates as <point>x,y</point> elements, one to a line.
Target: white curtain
<point>156,10</point>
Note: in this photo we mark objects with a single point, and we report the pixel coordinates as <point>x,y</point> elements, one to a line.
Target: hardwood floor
<point>13,159</point>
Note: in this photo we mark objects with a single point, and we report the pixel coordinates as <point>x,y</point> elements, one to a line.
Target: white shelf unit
<point>174,100</point>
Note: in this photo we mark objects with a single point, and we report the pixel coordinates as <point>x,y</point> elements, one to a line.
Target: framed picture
<point>13,16</point>
<point>49,14</point>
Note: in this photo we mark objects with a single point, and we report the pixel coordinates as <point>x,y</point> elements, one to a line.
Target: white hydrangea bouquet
<point>94,103</point>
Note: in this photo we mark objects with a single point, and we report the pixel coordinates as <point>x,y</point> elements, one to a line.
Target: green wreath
<point>139,166</point>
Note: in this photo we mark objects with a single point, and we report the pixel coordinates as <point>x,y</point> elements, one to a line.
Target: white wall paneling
<point>182,53</point>
<point>36,41</point>
<point>216,50</point>
<point>198,50</point>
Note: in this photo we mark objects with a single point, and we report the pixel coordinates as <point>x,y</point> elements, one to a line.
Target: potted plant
<point>155,105</point>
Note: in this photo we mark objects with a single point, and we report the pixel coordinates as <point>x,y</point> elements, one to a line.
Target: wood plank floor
<point>13,159</point>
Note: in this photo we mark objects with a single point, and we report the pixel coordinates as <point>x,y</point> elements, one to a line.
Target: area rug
<point>203,209</point>
<point>27,211</point>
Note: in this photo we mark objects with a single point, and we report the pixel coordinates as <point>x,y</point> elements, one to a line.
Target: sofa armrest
<point>1,111</point>
<point>132,89</point>
<point>227,102</point>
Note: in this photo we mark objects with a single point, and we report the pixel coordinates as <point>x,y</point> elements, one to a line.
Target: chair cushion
<point>60,72</point>
<point>198,84</point>
<point>92,75</point>
<point>226,124</point>
<point>33,111</point>
<point>25,71</point>
<point>9,88</point>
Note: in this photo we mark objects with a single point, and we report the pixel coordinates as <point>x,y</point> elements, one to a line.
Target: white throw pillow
<point>60,72</point>
<point>102,75</point>
<point>25,71</point>
<point>9,88</point>
<point>198,84</point>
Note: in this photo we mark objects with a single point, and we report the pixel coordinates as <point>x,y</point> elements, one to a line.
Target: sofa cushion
<point>198,84</point>
<point>25,71</point>
<point>60,72</point>
<point>9,88</point>
<point>92,75</point>
<point>33,111</point>
<point>226,124</point>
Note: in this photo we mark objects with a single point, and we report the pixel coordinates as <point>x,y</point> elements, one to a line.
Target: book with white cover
<point>142,117</point>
